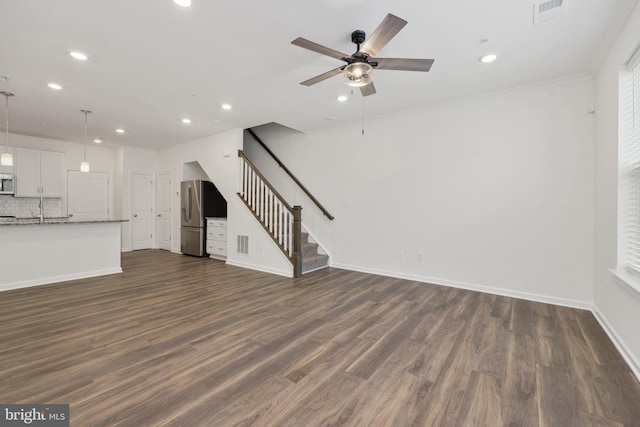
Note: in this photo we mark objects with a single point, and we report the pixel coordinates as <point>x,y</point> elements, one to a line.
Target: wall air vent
<point>547,9</point>
<point>243,245</point>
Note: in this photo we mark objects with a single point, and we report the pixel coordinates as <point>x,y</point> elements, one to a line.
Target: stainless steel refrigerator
<point>199,199</point>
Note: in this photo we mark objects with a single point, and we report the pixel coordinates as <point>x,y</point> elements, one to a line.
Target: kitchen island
<point>56,250</point>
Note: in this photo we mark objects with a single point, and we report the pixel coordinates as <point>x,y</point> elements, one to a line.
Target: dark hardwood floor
<point>181,341</point>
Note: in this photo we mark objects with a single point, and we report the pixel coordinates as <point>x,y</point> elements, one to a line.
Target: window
<point>629,167</point>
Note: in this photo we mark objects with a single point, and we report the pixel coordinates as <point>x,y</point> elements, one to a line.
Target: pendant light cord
<point>86,112</point>
<point>85,135</point>
<point>7,120</point>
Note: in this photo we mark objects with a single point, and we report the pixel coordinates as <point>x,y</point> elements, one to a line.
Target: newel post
<point>297,241</point>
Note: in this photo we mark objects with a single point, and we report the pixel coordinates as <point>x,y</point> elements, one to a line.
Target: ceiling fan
<point>358,68</point>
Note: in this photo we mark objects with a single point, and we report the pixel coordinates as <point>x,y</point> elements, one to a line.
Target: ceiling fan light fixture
<point>358,74</point>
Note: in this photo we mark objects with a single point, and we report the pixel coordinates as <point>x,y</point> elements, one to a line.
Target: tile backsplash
<point>23,207</point>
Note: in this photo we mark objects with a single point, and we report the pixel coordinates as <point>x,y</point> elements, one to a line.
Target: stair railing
<point>282,221</point>
<point>293,177</point>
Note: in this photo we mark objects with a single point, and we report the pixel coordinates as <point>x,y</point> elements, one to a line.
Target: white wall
<point>495,192</point>
<point>615,303</point>
<point>217,155</point>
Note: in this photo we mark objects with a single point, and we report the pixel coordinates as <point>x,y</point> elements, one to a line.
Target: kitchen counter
<point>57,250</point>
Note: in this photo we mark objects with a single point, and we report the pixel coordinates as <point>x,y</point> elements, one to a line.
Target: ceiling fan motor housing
<point>358,37</point>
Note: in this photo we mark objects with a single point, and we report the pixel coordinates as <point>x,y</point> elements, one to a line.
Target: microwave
<point>7,183</point>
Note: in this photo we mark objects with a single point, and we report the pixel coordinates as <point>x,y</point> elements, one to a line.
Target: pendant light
<point>6,158</point>
<point>84,165</point>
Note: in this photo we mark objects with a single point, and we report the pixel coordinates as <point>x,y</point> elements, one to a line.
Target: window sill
<point>628,280</point>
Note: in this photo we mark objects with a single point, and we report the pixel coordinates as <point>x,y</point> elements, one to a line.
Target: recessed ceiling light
<point>80,56</point>
<point>217,122</point>
<point>183,3</point>
<point>226,106</point>
<point>186,121</point>
<point>54,86</point>
<point>99,139</point>
<point>119,130</point>
<point>488,58</point>
<point>342,98</point>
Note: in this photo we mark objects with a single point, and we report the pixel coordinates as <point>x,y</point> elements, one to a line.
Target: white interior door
<point>142,210</point>
<point>88,195</point>
<point>164,211</point>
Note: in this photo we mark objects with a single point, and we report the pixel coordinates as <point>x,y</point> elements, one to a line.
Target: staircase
<point>311,259</point>
<point>280,220</point>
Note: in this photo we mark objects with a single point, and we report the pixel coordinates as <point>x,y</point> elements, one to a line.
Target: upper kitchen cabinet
<point>38,171</point>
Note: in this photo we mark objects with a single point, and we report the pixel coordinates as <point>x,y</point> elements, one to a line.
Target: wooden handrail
<point>296,180</point>
<point>266,181</point>
<point>280,220</point>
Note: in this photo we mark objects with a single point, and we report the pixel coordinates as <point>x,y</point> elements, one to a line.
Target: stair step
<point>314,262</point>
<point>309,249</point>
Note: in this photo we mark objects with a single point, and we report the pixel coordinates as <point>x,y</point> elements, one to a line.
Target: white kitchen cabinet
<point>37,171</point>
<point>217,237</point>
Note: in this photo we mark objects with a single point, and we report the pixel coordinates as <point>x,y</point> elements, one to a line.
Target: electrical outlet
<point>419,256</point>
<point>401,254</point>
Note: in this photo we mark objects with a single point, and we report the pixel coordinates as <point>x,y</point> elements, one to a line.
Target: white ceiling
<point>151,62</point>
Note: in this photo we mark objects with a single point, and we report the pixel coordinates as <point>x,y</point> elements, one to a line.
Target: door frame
<point>129,208</point>
<point>170,199</point>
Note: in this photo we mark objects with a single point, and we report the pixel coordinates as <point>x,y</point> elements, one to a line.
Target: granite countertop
<point>55,220</point>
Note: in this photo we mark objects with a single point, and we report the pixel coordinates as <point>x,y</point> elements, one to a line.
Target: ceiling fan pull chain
<point>363,116</point>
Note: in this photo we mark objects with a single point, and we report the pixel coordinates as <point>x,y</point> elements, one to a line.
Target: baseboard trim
<point>565,302</point>
<point>279,272</point>
<point>620,345</point>
<point>58,279</point>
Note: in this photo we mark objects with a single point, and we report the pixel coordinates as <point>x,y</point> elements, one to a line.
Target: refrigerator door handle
<point>189,204</point>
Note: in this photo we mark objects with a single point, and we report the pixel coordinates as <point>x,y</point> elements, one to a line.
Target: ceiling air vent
<point>548,9</point>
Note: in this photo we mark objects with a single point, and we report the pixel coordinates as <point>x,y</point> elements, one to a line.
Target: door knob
<point>135,215</point>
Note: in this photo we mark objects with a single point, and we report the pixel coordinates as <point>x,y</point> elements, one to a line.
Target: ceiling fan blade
<point>404,64</point>
<point>367,90</point>
<point>323,76</point>
<point>387,29</point>
<point>307,44</point>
